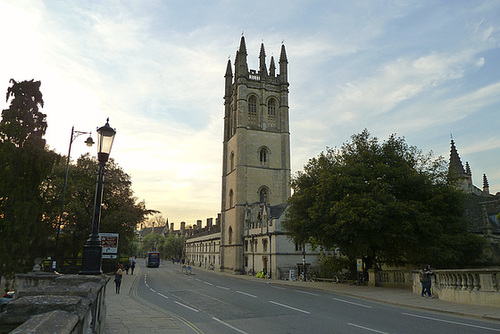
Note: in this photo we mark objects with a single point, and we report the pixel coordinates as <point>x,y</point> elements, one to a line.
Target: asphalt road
<point>206,302</point>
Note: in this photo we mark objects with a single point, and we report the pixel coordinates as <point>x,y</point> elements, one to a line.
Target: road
<point>208,302</point>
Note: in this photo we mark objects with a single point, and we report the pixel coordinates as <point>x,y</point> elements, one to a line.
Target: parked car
<point>6,299</point>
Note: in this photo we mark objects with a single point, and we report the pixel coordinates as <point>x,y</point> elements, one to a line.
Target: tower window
<point>231,161</point>
<point>263,156</point>
<point>252,110</point>
<point>230,232</point>
<point>263,195</point>
<point>231,198</point>
<point>271,113</point>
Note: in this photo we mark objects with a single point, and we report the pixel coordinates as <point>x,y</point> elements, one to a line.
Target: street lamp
<point>89,142</point>
<point>92,251</point>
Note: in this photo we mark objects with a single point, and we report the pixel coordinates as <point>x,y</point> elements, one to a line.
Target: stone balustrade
<point>468,286</point>
<point>48,303</point>
<point>390,278</point>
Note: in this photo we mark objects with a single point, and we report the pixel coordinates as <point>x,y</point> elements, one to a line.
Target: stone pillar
<point>372,277</point>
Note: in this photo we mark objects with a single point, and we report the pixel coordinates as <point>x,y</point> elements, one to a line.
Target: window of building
<point>263,195</point>
<point>298,247</point>
<point>246,245</point>
<point>252,110</point>
<point>264,156</point>
<point>271,113</point>
<point>231,198</point>
<point>231,161</point>
<point>264,245</point>
<point>230,235</point>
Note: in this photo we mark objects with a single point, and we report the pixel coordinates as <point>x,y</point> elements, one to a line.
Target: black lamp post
<point>92,251</point>
<point>89,142</point>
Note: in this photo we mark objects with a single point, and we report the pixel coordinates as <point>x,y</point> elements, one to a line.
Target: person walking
<point>425,280</point>
<point>118,278</point>
<point>132,265</point>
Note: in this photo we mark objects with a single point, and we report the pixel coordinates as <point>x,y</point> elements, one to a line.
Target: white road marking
<point>277,287</point>
<point>223,287</point>
<point>246,294</point>
<point>162,295</point>
<point>451,322</point>
<point>208,283</point>
<point>197,279</point>
<point>368,329</point>
<point>152,290</point>
<point>307,293</point>
<point>348,302</point>
<point>228,325</point>
<point>290,307</point>
<point>188,307</point>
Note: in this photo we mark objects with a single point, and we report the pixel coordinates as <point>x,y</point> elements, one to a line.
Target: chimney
<point>198,224</point>
<point>209,222</point>
<point>172,227</point>
<point>183,226</point>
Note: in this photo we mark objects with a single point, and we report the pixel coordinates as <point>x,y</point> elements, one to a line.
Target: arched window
<point>252,110</point>
<point>271,113</point>
<point>231,161</point>
<point>230,235</point>
<point>263,195</point>
<point>231,198</point>
<point>263,156</point>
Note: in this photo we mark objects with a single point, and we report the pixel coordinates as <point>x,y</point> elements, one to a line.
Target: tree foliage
<point>121,212</point>
<point>24,164</point>
<point>170,246</point>
<point>31,186</point>
<point>385,202</point>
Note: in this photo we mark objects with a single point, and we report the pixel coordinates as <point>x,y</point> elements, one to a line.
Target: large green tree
<point>385,202</point>
<point>24,164</point>
<point>121,212</point>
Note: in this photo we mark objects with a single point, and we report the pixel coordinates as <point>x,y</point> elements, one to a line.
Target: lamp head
<point>105,138</point>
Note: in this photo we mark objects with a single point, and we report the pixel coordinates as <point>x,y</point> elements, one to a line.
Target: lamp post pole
<point>89,142</point>
<point>92,251</point>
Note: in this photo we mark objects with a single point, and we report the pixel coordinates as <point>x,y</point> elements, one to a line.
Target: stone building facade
<point>255,174</point>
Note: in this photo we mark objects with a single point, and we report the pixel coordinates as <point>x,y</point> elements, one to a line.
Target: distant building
<point>482,207</point>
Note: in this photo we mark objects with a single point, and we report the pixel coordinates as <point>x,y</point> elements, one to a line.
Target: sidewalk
<point>128,315</point>
<point>124,314</point>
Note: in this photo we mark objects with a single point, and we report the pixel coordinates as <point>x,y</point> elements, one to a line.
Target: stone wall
<point>56,304</point>
<point>467,286</point>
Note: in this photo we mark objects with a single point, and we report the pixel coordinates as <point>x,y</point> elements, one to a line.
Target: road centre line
<point>366,328</point>
<point>246,294</point>
<point>230,326</point>
<point>348,302</point>
<point>307,293</point>
<point>451,322</point>
<point>188,307</point>
<point>207,283</point>
<point>290,307</point>
<point>223,287</point>
<point>197,279</point>
<point>152,290</point>
<point>163,295</point>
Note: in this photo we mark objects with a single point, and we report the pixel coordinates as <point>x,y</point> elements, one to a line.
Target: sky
<point>423,70</point>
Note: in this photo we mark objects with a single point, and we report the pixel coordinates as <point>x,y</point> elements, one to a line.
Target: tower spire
<point>240,62</point>
<point>272,68</point>
<point>262,61</point>
<point>486,186</point>
<point>283,65</point>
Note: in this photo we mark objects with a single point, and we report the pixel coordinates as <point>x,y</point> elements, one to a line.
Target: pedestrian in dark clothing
<point>118,278</point>
<point>132,265</point>
<point>425,279</point>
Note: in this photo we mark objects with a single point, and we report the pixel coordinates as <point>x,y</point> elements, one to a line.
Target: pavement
<point>127,313</point>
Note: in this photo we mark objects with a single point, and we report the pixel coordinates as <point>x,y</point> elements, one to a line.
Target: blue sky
<point>420,69</point>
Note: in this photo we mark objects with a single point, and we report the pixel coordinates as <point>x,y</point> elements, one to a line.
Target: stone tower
<point>256,146</point>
